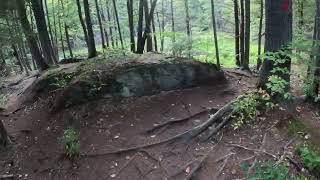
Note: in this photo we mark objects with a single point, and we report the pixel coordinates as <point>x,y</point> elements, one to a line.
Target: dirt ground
<point>110,125</point>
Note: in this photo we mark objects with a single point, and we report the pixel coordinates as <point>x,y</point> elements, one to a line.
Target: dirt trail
<point>107,126</point>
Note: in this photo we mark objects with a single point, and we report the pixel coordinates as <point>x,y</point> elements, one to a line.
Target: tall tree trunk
<point>35,51</point>
<point>45,42</point>
<point>118,23</point>
<point>154,32</point>
<point>140,26</point>
<point>316,78</point>
<point>55,30</point>
<point>215,33</point>
<point>149,36</point>
<point>66,30</point>
<point>103,17</point>
<point>100,25</point>
<point>172,28</point>
<point>246,60</point>
<point>60,31</point>
<point>147,30</point>
<point>242,26</point>
<point>50,29</point>
<point>186,4</point>
<point>91,43</point>
<point>237,31</point>
<point>259,61</point>
<point>278,35</point>
<point>162,26</point>
<point>110,27</point>
<point>131,25</point>
<point>83,25</point>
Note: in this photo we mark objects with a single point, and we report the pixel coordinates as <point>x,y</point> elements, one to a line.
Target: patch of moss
<point>55,80</point>
<point>296,126</point>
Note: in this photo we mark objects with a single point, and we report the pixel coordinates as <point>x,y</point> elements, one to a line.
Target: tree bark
<point>131,25</point>
<point>140,26</point>
<point>246,60</point>
<point>110,27</point>
<point>316,77</point>
<point>83,25</point>
<point>278,35</point>
<point>237,31</point>
<point>172,28</point>
<point>214,27</point>
<point>186,4</point>
<point>242,26</point>
<point>4,137</point>
<point>44,38</point>
<point>154,32</point>
<point>149,36</point>
<point>35,51</point>
<point>118,23</point>
<point>60,31</point>
<point>91,43</point>
<point>50,29</point>
<point>100,25</point>
<point>259,61</point>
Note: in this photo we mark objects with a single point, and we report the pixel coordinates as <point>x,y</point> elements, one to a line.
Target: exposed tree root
<point>188,135</point>
<point>165,124</point>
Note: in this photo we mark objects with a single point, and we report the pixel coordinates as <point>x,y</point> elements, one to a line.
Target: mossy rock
<point>145,75</point>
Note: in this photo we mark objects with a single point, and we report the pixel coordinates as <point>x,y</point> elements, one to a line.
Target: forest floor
<point>106,126</point>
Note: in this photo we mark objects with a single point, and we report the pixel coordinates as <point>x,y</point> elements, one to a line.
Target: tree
<point>242,26</point>
<point>316,78</point>
<point>215,33</point>
<point>118,23</point>
<point>237,31</point>
<point>92,52</point>
<point>186,5</point>
<point>278,36</point>
<point>35,51</point>
<point>172,27</point>
<point>100,25</point>
<point>131,25</point>
<point>259,61</point>
<point>245,63</point>
<point>83,25</point>
<point>46,45</point>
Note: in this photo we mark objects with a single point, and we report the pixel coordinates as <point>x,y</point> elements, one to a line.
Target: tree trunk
<point>278,35</point>
<point>131,25</point>
<point>147,30</point>
<point>55,31</point>
<point>154,32</point>
<point>66,30</point>
<point>149,37</point>
<point>45,42</point>
<point>316,77</point>
<point>91,43</point>
<point>60,31</point>
<point>103,17</point>
<point>162,26</point>
<point>110,27</point>
<point>237,31</point>
<point>35,51</point>
<point>118,23</point>
<point>246,60</point>
<point>215,33</point>
<point>242,25</point>
<point>172,28</point>
<point>186,4</point>
<point>140,26</point>
<point>259,61</point>
<point>100,25</point>
<point>83,25</point>
<point>50,29</point>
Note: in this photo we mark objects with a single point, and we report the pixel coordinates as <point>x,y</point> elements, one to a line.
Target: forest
<point>160,89</point>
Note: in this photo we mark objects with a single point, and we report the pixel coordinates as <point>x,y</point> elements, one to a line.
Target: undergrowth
<point>267,171</point>
<point>70,141</point>
<point>310,159</point>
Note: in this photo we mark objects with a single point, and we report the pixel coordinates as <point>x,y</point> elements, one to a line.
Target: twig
<point>223,165</point>
<point>6,176</point>
<point>224,157</point>
<point>254,150</point>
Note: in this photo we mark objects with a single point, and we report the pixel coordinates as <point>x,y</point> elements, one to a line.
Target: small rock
<point>153,136</point>
<point>113,175</point>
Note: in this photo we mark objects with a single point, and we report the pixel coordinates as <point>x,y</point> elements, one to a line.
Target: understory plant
<point>310,159</point>
<point>268,171</point>
<point>246,107</point>
<point>70,141</point>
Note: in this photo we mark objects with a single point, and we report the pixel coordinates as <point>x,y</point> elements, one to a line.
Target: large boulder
<point>146,75</point>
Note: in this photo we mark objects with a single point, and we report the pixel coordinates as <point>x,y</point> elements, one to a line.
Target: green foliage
<point>70,140</point>
<point>245,109</point>
<point>268,171</point>
<point>310,159</point>
<point>278,86</point>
